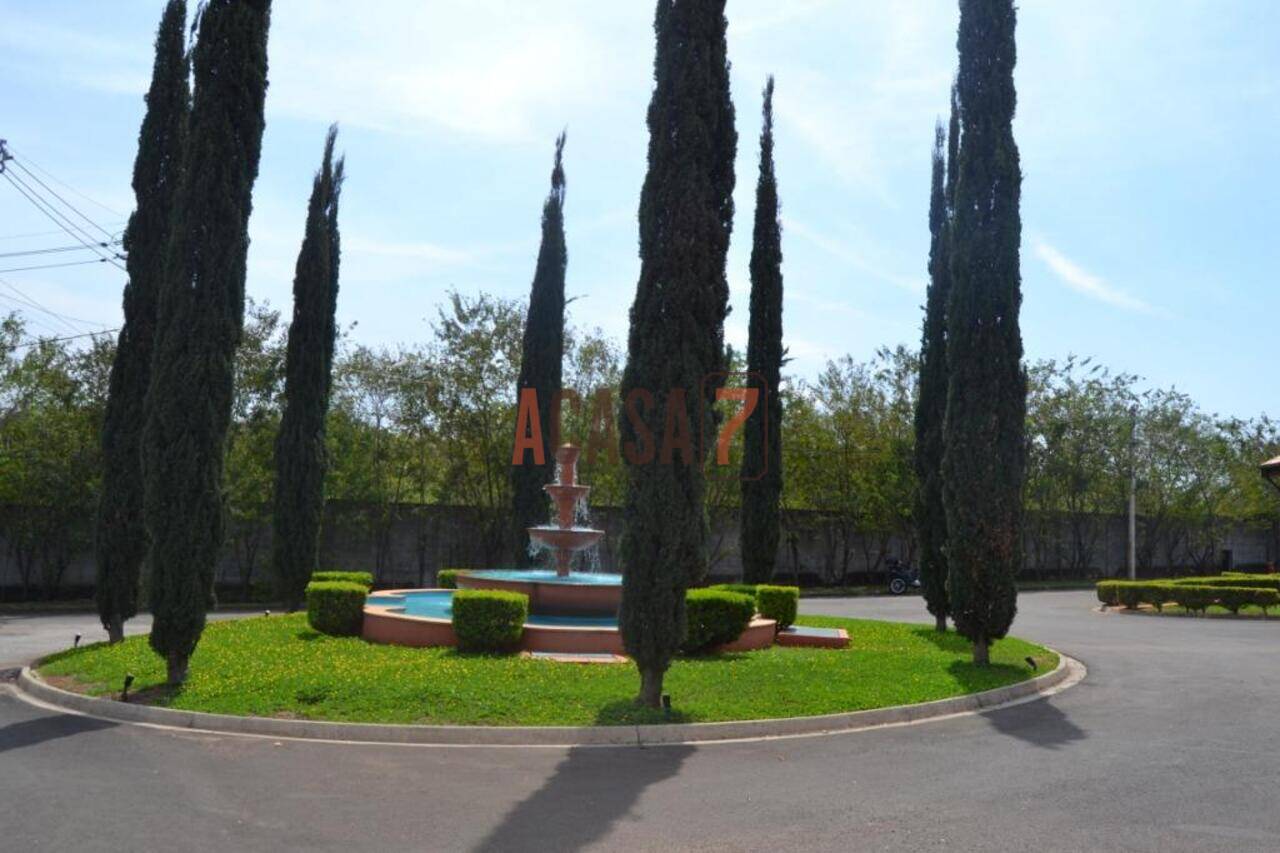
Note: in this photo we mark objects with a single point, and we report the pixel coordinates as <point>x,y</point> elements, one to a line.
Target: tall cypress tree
<point>762,434</point>
<point>931,405</point>
<point>121,538</point>
<point>541,356</point>
<point>984,462</point>
<point>676,339</point>
<point>199,321</point>
<point>300,444</point>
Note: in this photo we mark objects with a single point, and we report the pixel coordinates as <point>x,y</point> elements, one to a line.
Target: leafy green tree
<point>121,534</point>
<point>541,362</point>
<point>762,453</point>
<point>255,421</point>
<point>676,340</point>
<point>931,518</point>
<point>985,454</point>
<point>300,444</point>
<point>199,322</point>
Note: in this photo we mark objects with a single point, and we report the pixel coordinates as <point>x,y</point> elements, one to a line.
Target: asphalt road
<point>1169,744</point>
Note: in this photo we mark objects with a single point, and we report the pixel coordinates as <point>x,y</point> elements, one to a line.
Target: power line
<point>54,250</point>
<point>23,296</point>
<point>54,216</point>
<point>65,185</point>
<point>66,264</point>
<point>39,341</point>
<point>54,233</point>
<point>54,193</point>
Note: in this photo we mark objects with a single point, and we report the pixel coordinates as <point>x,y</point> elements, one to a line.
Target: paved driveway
<point>1169,744</point>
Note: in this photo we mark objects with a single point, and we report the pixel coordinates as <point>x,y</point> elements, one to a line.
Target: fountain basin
<point>424,617</point>
<point>575,594</point>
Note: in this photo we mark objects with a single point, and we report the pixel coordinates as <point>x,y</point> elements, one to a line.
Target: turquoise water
<point>549,576</point>
<point>438,604</point>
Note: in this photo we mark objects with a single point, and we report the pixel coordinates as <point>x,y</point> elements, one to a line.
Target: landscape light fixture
<point>128,682</point>
<point>1271,471</point>
<point>75,644</point>
<point>666,702</point>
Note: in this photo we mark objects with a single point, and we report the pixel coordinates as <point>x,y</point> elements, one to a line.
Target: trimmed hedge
<point>489,620</point>
<point>364,579</point>
<point>447,578</point>
<point>336,607</point>
<point>715,617</point>
<point>741,588</point>
<point>1189,594</point>
<point>780,603</point>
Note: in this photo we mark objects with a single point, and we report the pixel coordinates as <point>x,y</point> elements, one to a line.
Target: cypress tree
<point>762,433</point>
<point>984,461</point>
<point>676,339</point>
<point>541,354</point>
<point>121,537</point>
<point>300,443</point>
<point>931,405</point>
<point>199,321</point>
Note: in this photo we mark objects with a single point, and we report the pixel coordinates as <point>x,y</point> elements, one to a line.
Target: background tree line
<point>432,423</point>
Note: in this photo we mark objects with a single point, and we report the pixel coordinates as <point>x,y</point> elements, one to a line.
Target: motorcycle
<point>902,577</point>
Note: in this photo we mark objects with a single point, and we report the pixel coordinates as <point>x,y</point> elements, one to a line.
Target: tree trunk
<point>177,665</point>
<point>115,631</point>
<point>982,651</point>
<point>940,623</point>
<point>651,687</point>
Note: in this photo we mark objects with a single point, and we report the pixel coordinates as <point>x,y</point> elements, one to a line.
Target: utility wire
<point>39,341</point>
<point>22,295</point>
<point>65,264</point>
<point>54,250</point>
<point>52,233</point>
<point>57,218</point>
<point>64,184</point>
<point>68,205</point>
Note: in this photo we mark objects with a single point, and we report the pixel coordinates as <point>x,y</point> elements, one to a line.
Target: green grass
<point>277,666</point>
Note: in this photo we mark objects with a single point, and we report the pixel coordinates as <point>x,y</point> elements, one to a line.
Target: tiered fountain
<point>562,592</point>
<point>570,613</point>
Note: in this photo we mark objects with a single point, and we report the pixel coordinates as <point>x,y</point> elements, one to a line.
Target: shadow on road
<point>590,790</point>
<point>42,729</point>
<point>1038,723</point>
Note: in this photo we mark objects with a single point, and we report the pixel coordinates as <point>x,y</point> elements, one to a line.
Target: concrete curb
<point>1067,673</point>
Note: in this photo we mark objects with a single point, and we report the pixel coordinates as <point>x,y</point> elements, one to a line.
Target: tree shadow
<point>1039,723</point>
<point>590,790</point>
<point>42,729</point>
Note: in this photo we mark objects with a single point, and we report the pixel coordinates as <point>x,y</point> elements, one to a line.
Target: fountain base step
<point>551,595</point>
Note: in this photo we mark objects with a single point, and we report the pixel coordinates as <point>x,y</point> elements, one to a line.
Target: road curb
<point>1068,672</point>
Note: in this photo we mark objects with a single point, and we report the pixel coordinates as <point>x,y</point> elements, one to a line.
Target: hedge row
<point>364,579</point>
<point>715,617</point>
<point>779,603</point>
<point>1190,596</point>
<point>447,578</point>
<point>336,607</point>
<point>489,620</point>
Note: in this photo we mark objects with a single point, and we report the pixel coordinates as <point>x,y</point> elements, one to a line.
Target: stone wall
<point>407,544</point>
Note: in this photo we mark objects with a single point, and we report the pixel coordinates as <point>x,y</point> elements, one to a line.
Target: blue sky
<point>1149,133</point>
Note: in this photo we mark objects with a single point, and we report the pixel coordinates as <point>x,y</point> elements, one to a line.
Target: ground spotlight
<point>1031,662</point>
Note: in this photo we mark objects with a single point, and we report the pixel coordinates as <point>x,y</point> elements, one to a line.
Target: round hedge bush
<point>780,603</point>
<point>336,607</point>
<point>489,620</point>
<point>364,579</point>
<point>447,578</point>
<point>715,617</point>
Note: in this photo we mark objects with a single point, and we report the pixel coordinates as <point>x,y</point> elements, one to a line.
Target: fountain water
<point>565,538</point>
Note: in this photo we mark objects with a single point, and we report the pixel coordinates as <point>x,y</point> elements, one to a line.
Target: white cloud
<point>1084,282</point>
